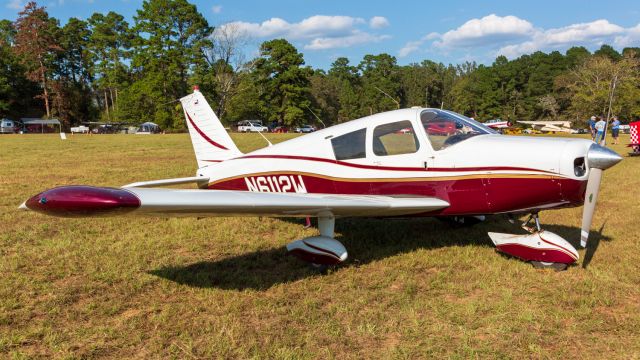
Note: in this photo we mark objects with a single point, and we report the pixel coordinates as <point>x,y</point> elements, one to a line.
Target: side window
<point>350,145</point>
<point>394,139</point>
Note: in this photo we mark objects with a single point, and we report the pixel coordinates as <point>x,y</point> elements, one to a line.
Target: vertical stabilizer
<point>211,142</point>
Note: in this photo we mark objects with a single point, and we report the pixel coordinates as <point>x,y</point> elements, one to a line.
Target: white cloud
<point>15,4</point>
<point>378,22</point>
<point>512,36</point>
<point>413,46</point>
<point>318,31</point>
<point>630,38</point>
<point>489,29</point>
<point>594,33</point>
<point>217,9</point>
<point>356,38</point>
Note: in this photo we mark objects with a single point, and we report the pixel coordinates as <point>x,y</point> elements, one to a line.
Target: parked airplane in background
<point>551,126</point>
<point>369,167</point>
<point>498,124</point>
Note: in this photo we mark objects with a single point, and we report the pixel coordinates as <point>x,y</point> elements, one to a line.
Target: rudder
<point>211,142</point>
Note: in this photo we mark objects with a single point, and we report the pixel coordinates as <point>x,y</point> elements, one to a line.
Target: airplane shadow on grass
<point>366,240</point>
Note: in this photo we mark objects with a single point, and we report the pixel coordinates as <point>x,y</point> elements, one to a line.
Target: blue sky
<point>449,31</point>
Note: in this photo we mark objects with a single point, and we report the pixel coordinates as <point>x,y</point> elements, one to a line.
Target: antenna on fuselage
<point>314,114</point>
<point>265,138</point>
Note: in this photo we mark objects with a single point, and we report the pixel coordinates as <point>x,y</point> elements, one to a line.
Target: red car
<point>441,128</point>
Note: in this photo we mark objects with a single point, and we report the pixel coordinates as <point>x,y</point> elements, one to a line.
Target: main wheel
<point>549,265</point>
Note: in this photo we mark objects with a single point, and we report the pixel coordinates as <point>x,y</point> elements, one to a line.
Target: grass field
<point>224,288</point>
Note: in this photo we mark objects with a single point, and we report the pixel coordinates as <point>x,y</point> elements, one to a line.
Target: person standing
<point>592,128</point>
<point>599,126</point>
<point>615,129</point>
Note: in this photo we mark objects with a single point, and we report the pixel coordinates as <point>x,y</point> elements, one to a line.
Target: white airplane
<point>551,126</point>
<point>498,124</point>
<point>445,165</point>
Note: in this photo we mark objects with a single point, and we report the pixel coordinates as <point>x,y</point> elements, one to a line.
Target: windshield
<point>446,128</point>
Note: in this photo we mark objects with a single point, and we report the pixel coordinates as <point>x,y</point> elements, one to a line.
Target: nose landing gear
<point>542,248</point>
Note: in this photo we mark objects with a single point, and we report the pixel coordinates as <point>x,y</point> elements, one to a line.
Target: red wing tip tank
<point>83,201</point>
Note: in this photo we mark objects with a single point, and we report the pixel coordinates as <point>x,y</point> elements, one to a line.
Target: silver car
<point>7,126</point>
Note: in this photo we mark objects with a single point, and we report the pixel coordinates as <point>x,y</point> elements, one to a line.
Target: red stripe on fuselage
<point>204,136</point>
<point>392,168</point>
<point>466,196</point>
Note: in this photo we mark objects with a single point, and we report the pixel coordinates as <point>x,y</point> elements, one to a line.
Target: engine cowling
<point>321,250</point>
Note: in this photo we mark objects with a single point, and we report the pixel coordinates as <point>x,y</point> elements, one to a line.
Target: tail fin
<point>211,142</point>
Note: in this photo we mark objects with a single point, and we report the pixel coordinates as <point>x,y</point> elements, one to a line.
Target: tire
<point>547,265</point>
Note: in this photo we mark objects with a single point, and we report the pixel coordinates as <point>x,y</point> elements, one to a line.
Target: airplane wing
<point>542,122</point>
<point>84,201</point>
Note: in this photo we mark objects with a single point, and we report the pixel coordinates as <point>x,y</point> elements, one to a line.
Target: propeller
<point>599,158</point>
<point>590,197</point>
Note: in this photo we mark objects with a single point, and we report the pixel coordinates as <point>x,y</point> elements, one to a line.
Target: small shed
<point>35,125</point>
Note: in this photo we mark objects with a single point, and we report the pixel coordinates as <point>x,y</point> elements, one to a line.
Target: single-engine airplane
<point>551,126</point>
<point>498,124</point>
<point>393,164</point>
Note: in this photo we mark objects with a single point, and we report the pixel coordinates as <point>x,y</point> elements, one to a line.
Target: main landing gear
<point>320,251</point>
<point>542,248</point>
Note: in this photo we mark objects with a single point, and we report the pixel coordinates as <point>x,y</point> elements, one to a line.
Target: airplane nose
<point>600,157</point>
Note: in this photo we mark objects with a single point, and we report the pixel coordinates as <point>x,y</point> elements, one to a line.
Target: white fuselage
<point>498,173</point>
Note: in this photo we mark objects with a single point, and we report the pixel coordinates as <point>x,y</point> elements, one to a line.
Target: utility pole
<point>612,88</point>
<point>426,96</point>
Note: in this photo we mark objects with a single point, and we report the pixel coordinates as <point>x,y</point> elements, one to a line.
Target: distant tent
<point>148,128</point>
<point>38,125</point>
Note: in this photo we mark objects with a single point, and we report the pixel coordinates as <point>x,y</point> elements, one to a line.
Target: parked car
<point>105,129</point>
<point>305,129</point>
<point>251,126</point>
<point>7,126</point>
<point>280,129</point>
<point>80,129</point>
<point>625,129</point>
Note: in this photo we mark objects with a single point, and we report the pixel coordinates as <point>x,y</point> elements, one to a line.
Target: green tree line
<point>106,69</point>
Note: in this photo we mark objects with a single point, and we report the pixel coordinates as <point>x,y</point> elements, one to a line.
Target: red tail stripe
<point>204,136</point>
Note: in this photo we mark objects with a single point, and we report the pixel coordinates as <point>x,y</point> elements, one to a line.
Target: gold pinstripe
<point>406,179</point>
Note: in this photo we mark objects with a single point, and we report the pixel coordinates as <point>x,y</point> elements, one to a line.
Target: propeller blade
<point>590,198</point>
<point>599,158</point>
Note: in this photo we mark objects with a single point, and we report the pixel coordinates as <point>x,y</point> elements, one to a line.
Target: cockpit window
<point>350,145</point>
<point>445,128</point>
<point>394,139</point>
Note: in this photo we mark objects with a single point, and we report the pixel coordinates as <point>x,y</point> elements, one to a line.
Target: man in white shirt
<point>600,124</point>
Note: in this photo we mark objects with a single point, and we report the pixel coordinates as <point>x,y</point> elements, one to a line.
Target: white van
<point>7,126</point>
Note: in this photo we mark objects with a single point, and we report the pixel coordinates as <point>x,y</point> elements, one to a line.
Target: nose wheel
<point>543,249</point>
<point>549,265</point>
